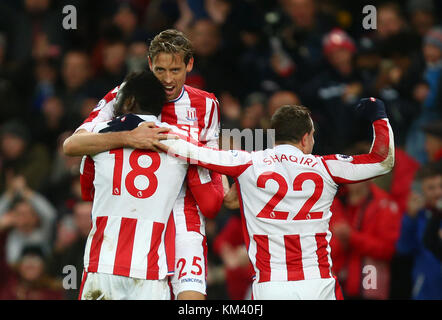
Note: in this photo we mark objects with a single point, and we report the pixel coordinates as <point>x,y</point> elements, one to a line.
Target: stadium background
<point>254,55</point>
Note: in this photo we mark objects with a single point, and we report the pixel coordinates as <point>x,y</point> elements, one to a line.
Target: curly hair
<point>141,92</point>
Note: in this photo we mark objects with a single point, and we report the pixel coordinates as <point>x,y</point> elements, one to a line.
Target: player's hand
<point>226,186</point>
<point>371,108</point>
<point>231,200</point>
<point>146,136</point>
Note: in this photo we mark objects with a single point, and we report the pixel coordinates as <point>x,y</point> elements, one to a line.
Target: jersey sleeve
<point>232,162</point>
<point>104,111</point>
<point>87,175</point>
<point>379,161</point>
<point>207,191</point>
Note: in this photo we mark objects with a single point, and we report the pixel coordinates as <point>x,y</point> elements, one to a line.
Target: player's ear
<point>304,140</point>
<point>189,65</point>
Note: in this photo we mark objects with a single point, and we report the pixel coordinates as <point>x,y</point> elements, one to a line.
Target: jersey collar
<point>179,97</point>
<point>287,148</point>
<point>148,117</point>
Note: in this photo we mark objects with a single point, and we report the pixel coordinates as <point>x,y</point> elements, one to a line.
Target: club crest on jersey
<point>191,114</point>
<point>344,157</point>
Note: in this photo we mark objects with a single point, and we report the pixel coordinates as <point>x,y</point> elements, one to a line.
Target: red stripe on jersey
<point>92,116</point>
<point>152,258</point>
<point>212,109</point>
<point>191,215</point>
<point>338,290</point>
<point>123,256</point>
<point>205,249</point>
<point>169,243</point>
<point>243,218</point>
<point>321,252</point>
<point>168,113</point>
<point>262,257</point>
<point>97,241</point>
<point>83,280</point>
<point>293,257</point>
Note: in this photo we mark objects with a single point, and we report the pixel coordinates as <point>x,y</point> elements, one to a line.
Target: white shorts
<point>314,289</point>
<point>190,263</point>
<point>102,286</point>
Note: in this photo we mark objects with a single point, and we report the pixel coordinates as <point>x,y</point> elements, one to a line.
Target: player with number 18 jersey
<point>196,112</point>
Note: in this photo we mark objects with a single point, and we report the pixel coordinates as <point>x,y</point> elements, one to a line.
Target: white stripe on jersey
<point>142,241</point>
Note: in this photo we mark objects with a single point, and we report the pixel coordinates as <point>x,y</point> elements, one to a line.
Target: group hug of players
<point>154,172</point>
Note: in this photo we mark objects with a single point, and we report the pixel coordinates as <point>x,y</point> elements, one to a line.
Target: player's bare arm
<point>144,136</point>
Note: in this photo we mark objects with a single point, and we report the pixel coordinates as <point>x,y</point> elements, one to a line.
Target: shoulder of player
<point>198,92</point>
<point>111,94</point>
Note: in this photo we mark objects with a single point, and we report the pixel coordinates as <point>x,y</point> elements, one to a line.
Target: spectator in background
<point>422,15</point>
<point>19,156</point>
<point>433,141</point>
<point>50,123</point>
<point>229,245</point>
<point>300,33</point>
<point>136,57</point>
<point>76,74</point>
<point>113,69</point>
<point>332,94</point>
<point>69,245</point>
<point>427,269</point>
<point>281,98</point>
<point>126,19</point>
<point>426,89</point>
<point>45,73</point>
<point>37,32</point>
<point>9,93</point>
<point>63,182</point>
<point>254,112</point>
<point>433,233</point>
<point>365,226</point>
<point>209,72</point>
<point>32,218</point>
<point>28,279</point>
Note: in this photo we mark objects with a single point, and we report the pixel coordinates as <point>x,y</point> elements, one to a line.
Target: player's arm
<point>207,186</point>
<point>231,163</point>
<point>207,189</point>
<point>87,142</point>
<point>144,136</point>
<point>380,159</point>
<point>87,175</point>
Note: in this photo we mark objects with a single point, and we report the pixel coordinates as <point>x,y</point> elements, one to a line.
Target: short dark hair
<point>145,90</point>
<point>291,123</point>
<point>171,41</point>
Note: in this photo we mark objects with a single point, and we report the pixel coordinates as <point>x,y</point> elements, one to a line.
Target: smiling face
<point>171,70</point>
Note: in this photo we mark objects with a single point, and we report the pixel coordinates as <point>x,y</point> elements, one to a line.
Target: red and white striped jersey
<point>134,194</point>
<point>285,199</point>
<point>195,111</point>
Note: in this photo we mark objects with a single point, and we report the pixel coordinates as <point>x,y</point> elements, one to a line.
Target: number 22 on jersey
<point>136,170</point>
<point>304,213</point>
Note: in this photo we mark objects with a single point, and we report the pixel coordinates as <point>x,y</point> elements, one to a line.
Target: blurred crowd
<point>255,56</point>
